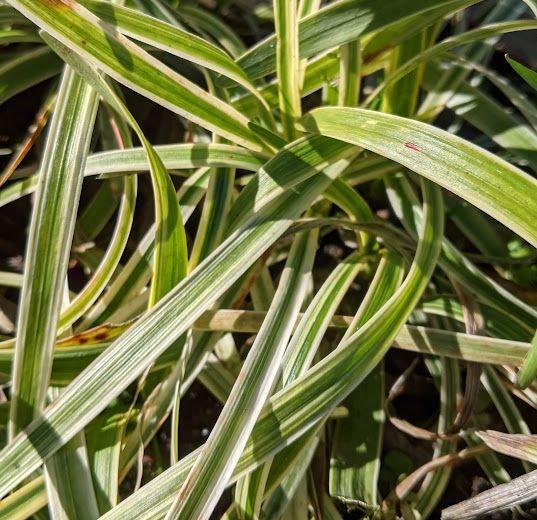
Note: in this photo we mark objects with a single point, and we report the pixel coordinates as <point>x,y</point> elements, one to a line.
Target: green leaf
<point>287,64</point>
<point>71,358</point>
<point>142,344</point>
<point>147,326</point>
<point>280,497</point>
<point>299,406</point>
<point>24,502</point>
<point>339,23</point>
<point>212,26</point>
<point>208,477</point>
<point>137,270</point>
<point>406,205</point>
<point>417,58</point>
<point>48,247</point>
<point>103,440</point>
<point>509,412</point>
<point>490,117</point>
<point>172,39</point>
<point>349,74</point>
<point>313,324</point>
<point>490,183</point>
<point>532,4</point>
<point>68,480</point>
<point>11,35</point>
<point>170,260</point>
<point>11,279</point>
<point>481,52</point>
<point>511,91</point>
<point>446,374</point>
<point>357,442</point>
<point>528,370</point>
<point>213,220</point>
<point>401,97</point>
<point>77,28</point>
<point>496,322</point>
<point>528,75</point>
<point>26,70</point>
<point>175,156</point>
<point>106,268</point>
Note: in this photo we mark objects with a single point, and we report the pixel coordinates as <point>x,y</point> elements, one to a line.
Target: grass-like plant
<point>359,182</point>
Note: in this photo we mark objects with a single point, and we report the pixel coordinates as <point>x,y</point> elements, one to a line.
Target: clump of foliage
<point>268,203</point>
